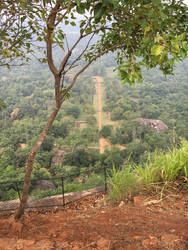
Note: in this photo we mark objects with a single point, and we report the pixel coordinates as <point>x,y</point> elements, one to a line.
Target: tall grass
<point>123,184</point>
<point>159,172</point>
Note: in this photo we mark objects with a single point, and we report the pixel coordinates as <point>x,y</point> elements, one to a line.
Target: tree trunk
<point>30,162</point>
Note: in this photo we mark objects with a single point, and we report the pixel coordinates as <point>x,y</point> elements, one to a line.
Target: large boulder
<point>44,185</point>
<point>154,124</point>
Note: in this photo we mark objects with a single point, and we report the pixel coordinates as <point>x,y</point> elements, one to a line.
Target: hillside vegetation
<point>72,144</point>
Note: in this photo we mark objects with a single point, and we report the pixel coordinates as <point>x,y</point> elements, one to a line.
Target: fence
<point>55,191</point>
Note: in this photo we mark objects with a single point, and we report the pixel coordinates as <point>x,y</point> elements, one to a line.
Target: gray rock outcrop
<point>154,124</point>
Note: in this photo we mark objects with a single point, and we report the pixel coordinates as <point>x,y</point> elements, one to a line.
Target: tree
<point>117,114</point>
<point>153,34</point>
<point>106,131</point>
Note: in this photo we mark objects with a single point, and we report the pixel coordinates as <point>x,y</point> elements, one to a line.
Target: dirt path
<point>90,224</point>
<point>102,141</point>
<point>98,78</point>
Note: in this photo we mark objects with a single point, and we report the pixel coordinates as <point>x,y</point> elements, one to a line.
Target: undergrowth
<point>159,173</point>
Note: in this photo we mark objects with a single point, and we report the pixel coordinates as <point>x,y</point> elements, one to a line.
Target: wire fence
<point>53,192</point>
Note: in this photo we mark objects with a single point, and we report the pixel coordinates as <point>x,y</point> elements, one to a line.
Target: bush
<point>106,131</point>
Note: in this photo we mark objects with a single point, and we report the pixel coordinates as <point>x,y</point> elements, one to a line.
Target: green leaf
<point>60,37</point>
<point>73,23</point>
<point>39,38</point>
<point>156,50</point>
<point>97,10</point>
<point>78,2</point>
<point>185,45</point>
<point>23,19</point>
<point>81,9</point>
<point>115,3</point>
<point>88,30</point>
<point>28,45</point>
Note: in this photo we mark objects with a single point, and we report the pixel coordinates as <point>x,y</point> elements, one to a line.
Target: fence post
<point>63,190</point>
<point>105,181</point>
<point>17,188</point>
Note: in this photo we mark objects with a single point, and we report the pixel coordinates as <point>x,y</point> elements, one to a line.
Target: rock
<point>122,204</point>
<point>44,185</point>
<point>154,124</point>
<point>103,244</point>
<point>139,201</point>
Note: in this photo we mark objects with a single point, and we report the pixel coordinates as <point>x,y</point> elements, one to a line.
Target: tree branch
<point>79,57</point>
<point>64,62</point>
<point>50,29</point>
<point>85,67</point>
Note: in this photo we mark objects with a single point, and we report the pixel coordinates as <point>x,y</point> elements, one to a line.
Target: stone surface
<point>44,185</point>
<point>122,204</point>
<point>154,124</point>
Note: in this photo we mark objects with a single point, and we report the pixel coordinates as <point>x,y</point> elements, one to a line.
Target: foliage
<point>106,131</point>
<point>2,105</point>
<point>74,186</point>
<point>165,168</point>
<point>123,184</point>
<point>16,30</point>
<point>159,173</point>
<point>154,32</point>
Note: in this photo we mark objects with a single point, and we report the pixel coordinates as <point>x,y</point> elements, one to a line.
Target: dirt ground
<point>92,223</point>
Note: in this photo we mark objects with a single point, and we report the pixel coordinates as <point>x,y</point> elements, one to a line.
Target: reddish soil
<point>101,139</point>
<point>103,143</point>
<point>93,224</point>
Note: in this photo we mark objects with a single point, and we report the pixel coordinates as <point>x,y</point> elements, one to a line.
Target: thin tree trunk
<point>30,162</point>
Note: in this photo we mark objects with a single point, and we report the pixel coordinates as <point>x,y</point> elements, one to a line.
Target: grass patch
<point>159,173</point>
<point>123,184</point>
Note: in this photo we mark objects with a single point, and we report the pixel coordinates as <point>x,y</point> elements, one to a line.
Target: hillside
<point>93,224</point>
<point>72,145</point>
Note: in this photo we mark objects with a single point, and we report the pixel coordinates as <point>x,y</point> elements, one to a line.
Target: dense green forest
<point>71,145</point>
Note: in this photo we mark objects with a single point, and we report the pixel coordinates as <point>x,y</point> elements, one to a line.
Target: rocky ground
<point>94,224</point>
